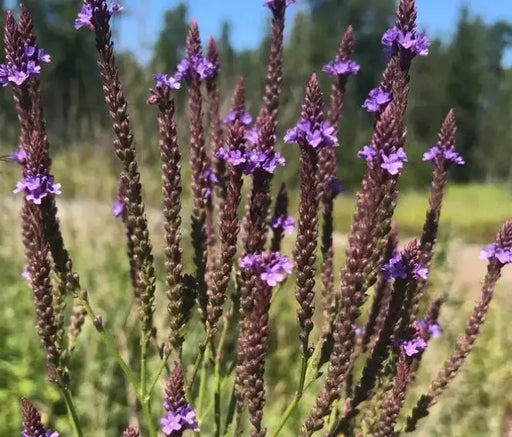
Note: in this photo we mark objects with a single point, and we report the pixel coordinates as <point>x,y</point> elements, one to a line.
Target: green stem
<point>202,382</point>
<point>73,415</point>
<point>199,359</point>
<point>216,395</point>
<point>111,346</point>
<point>146,409</point>
<point>163,364</point>
<point>303,370</point>
<point>287,415</point>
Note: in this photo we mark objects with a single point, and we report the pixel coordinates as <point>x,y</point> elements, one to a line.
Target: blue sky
<point>143,18</point>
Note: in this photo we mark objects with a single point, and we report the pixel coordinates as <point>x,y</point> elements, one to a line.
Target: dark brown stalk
<point>375,205</point>
<point>125,150</point>
<point>34,140</point>
<point>280,210</point>
<point>466,343</point>
<point>256,351</point>
<point>229,228</point>
<point>380,304</point>
<point>307,229</point>
<point>131,431</point>
<point>171,189</point>
<point>274,74</point>
<point>31,420</point>
<point>384,341</point>
<point>198,164</point>
<point>395,398</point>
<point>174,392</point>
<point>327,164</point>
<point>256,220</point>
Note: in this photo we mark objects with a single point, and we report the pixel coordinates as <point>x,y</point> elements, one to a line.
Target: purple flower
<point>118,208</point>
<point>252,135</point>
<point>84,17</point>
<point>284,222</point>
<point>394,162</point>
<point>420,271</point>
<point>434,330</point>
<point>37,187</point>
<point>236,114</point>
<point>335,187</point>
<point>416,42</point>
<point>315,135</point>
<point>272,267</point>
<point>36,54</point>
<point>367,152</point>
<point>20,156</point>
<point>25,274</point>
<point>390,36</point>
<point>163,80</point>
<point>266,161</point>
<point>449,154</point>
<point>17,76</point>
<point>414,346</point>
<point>212,178</point>
<point>233,157</point>
<point>502,254</point>
<point>203,67</point>
<point>178,421</point>
<point>394,268</point>
<point>377,98</point>
<point>341,68</point>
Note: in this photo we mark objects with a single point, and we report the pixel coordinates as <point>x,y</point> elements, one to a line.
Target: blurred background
<point>469,68</point>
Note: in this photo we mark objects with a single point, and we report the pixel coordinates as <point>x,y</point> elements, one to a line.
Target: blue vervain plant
<point>237,266</point>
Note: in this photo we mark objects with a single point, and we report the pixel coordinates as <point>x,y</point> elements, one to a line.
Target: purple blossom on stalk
<point>252,135</point>
<point>84,17</point>
<point>416,42</point>
<point>272,267</point>
<point>449,154</point>
<point>204,68</point>
<point>162,80</point>
<point>233,157</point>
<point>19,156</point>
<point>25,275</point>
<point>36,54</point>
<point>434,330</point>
<point>286,223</point>
<point>316,135</point>
<point>118,208</point>
<point>37,187</point>
<point>178,421</point>
<point>396,268</point>
<point>335,187</point>
<point>266,161</point>
<point>394,162</point>
<point>342,67</point>
<point>414,346</point>
<point>212,179</point>
<point>367,153</point>
<point>377,98</point>
<point>502,254</point>
<point>236,114</point>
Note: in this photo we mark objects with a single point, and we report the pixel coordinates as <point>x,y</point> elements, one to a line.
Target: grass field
<point>478,404</point>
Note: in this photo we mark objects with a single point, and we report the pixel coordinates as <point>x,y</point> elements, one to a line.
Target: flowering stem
<point>202,382</point>
<point>70,405</point>
<point>287,415</point>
